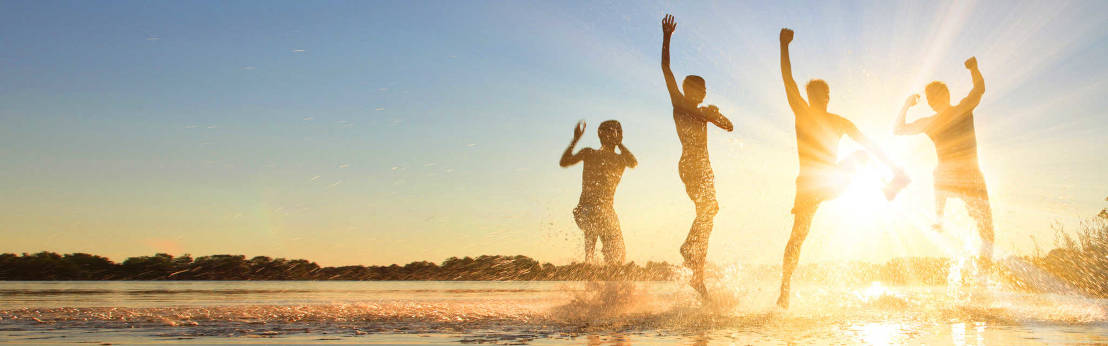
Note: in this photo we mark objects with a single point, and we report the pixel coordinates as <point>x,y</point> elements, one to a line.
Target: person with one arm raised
<point>691,121</point>
<point>822,176</point>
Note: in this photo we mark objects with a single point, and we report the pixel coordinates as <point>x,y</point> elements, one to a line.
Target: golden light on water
<point>881,333</point>
<point>368,134</point>
<point>875,291</point>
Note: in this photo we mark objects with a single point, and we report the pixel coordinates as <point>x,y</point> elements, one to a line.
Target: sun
<point>863,200</point>
<point>861,217</point>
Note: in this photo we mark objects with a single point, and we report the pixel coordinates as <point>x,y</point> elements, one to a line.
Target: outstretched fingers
<point>669,23</point>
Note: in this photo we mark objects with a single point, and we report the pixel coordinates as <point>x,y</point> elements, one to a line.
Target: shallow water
<point>536,313</point>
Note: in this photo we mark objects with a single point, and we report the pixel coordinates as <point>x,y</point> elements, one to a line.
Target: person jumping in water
<point>958,174</point>
<point>594,213</point>
<point>694,168</point>
<point>821,177</point>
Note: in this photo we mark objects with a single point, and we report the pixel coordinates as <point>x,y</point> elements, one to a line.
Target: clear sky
<point>372,132</point>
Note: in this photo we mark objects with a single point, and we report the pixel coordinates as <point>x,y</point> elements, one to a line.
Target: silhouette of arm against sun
<point>628,158</point>
<point>708,113</point>
<point>946,114</point>
<point>568,157</point>
<point>712,114</point>
<point>915,127</point>
<point>669,24</point>
<point>796,102</point>
<point>970,101</point>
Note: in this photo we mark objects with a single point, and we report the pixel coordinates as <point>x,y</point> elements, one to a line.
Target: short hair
<point>935,87</point>
<point>693,81</point>
<point>610,133</point>
<point>611,124</point>
<point>817,85</point>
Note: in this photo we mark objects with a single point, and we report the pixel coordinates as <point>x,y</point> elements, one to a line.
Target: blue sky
<point>382,132</point>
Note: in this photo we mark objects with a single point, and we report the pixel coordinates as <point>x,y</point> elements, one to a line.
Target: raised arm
<point>918,126</point>
<point>970,101</point>
<point>668,26</point>
<point>628,158</point>
<point>791,90</point>
<point>568,157</point>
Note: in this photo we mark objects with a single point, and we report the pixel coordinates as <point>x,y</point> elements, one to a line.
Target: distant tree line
<point>1079,264</point>
<point>81,266</point>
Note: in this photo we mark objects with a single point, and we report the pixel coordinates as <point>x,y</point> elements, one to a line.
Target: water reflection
<point>881,333</point>
<point>601,313</point>
<point>615,340</point>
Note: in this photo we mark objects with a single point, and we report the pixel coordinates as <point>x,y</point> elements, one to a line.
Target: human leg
<point>802,221</point>
<point>700,186</point>
<point>940,207</point>
<point>612,237</point>
<point>980,210</point>
<point>585,221</point>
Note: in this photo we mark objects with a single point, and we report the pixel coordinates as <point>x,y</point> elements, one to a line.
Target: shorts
<point>601,222</point>
<point>961,181</point>
<point>595,217</point>
<point>814,186</point>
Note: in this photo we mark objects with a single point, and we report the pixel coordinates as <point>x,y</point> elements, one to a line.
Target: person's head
<point>694,88</point>
<point>610,133</point>
<point>938,96</point>
<point>819,94</point>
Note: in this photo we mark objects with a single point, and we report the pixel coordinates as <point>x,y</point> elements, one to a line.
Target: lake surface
<point>536,313</point>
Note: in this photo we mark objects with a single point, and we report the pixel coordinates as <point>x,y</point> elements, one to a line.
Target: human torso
<point>602,173</point>
<point>817,140</point>
<point>693,133</point>
<point>955,139</point>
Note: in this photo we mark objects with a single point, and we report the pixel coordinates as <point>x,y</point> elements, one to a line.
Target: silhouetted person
<point>595,214</point>
<point>694,168</point>
<point>822,176</point>
<point>958,174</point>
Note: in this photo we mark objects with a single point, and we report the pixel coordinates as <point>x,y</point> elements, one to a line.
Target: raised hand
<point>568,157</point>
<point>912,100</point>
<point>669,24</point>
<point>786,35</point>
<point>971,63</point>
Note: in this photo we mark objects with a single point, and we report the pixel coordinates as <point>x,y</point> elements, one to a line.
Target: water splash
<point>508,312</point>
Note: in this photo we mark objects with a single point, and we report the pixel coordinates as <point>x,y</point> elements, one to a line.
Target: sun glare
<point>862,198</point>
<point>880,333</point>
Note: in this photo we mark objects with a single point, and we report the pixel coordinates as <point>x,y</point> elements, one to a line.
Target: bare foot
<point>783,299</point>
